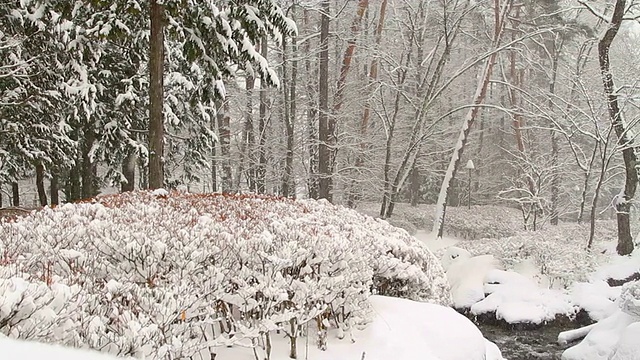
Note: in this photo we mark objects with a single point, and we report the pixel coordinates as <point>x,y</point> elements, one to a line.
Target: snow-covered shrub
<point>180,274</point>
<point>476,223</point>
<point>36,311</point>
<point>559,251</point>
<point>629,300</point>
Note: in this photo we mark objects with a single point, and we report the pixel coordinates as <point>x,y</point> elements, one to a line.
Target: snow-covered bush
<point>476,223</point>
<point>152,274</point>
<point>559,251</point>
<point>629,300</point>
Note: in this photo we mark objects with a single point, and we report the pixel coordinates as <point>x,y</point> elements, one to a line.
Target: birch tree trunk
<point>500,15</point>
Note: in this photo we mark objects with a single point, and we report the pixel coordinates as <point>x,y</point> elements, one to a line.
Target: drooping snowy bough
<point>151,274</point>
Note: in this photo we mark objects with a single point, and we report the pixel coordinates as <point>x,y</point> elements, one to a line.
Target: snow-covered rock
<point>516,298</point>
<point>466,275</point>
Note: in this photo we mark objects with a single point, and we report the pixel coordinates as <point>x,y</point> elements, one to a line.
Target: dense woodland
<point>351,101</point>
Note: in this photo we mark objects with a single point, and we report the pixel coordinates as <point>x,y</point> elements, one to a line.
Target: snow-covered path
<point>433,243</point>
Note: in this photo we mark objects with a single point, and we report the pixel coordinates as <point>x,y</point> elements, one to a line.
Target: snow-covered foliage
<point>479,222</point>
<point>152,274</point>
<point>629,299</point>
<point>559,251</point>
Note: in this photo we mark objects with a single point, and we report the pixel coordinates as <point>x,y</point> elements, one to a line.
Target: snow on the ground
<point>400,329</point>
<point>28,350</point>
<point>434,243</point>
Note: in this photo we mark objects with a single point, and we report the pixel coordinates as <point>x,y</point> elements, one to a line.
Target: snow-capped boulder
<point>466,275</point>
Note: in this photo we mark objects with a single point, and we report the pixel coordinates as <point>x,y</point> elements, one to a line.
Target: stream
<point>526,344</point>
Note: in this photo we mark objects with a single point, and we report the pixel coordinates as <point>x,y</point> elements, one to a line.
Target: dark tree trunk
<point>15,194</point>
<point>42,192</point>
<point>156,96</point>
<point>88,169</point>
<point>129,172</point>
<point>73,188</point>
<point>415,186</point>
<point>326,123</point>
<point>53,189</point>
<point>1,197</point>
<point>623,205</point>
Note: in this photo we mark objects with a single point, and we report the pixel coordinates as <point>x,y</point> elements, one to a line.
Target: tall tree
<point>156,96</point>
<point>501,11</point>
<point>326,123</point>
<point>625,141</point>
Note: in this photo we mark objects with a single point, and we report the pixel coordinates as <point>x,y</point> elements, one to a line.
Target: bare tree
<point>501,11</point>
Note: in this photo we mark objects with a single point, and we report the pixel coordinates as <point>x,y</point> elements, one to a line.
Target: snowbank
<point>156,274</point>
<point>615,337</point>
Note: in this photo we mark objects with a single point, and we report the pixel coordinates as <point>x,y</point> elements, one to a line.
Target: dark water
<point>526,344</point>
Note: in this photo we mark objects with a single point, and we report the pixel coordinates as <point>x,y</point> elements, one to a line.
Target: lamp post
<point>470,167</point>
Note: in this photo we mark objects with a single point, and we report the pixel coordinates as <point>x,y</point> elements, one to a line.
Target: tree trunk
<point>261,171</point>
<point>326,123</point>
<point>312,126</point>
<point>129,173</point>
<point>555,177</point>
<point>500,15</point>
<point>225,146</point>
<point>415,186</point>
<point>53,189</point>
<point>289,91</point>
<point>42,192</point>
<point>354,193</point>
<point>247,143</point>
<point>156,96</point>
<point>15,194</point>
<point>623,205</point>
<point>214,161</point>
<point>88,167</point>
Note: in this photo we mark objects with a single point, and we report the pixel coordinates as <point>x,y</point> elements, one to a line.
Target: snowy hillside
<point>153,274</point>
